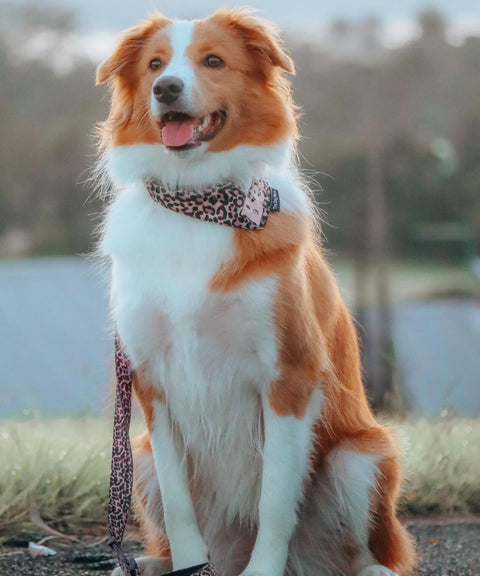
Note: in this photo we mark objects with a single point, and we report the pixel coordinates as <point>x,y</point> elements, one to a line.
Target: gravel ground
<point>446,548</point>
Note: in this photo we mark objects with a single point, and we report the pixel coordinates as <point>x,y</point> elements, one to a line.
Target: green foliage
<point>419,190</point>
<point>421,103</point>
<point>442,466</point>
<point>58,466</point>
<point>46,122</point>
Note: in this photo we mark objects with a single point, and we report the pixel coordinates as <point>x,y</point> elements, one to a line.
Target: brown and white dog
<point>261,452</point>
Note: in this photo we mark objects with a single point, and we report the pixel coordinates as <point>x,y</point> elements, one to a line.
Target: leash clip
<point>126,563</point>
<point>131,565</point>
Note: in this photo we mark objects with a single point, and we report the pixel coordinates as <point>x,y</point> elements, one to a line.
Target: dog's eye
<point>155,64</point>
<point>213,61</point>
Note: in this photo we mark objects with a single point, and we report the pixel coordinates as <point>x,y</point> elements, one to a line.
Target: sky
<point>95,16</point>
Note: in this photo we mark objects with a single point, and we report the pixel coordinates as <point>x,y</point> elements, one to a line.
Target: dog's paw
<point>149,566</point>
<point>376,570</point>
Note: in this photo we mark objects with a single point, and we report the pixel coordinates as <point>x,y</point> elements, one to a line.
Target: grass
<point>442,466</point>
<point>58,466</point>
<point>61,467</point>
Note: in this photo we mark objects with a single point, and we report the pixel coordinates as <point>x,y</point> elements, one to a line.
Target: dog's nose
<point>167,89</point>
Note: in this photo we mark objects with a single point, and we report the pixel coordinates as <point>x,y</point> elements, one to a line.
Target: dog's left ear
<point>260,36</point>
<point>128,48</point>
<point>123,54</point>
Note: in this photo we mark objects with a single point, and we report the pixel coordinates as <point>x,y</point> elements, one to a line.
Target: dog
<point>261,452</point>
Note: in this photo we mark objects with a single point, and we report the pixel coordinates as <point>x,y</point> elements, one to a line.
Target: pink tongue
<point>178,132</point>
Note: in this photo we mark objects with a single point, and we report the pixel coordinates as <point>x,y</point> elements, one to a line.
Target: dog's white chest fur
<point>211,353</point>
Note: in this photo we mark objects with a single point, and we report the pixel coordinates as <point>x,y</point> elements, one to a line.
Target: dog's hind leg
<point>347,523</point>
<point>389,542</point>
<point>366,479</point>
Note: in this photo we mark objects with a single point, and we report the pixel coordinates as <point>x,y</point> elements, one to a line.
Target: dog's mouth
<point>181,131</point>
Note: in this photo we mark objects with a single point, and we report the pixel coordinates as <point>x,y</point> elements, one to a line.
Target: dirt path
<point>446,547</point>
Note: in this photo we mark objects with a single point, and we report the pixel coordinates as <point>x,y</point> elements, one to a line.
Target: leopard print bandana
<point>121,474</point>
<point>228,204</point>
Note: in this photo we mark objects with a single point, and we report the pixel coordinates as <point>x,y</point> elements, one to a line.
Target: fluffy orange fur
<point>317,340</point>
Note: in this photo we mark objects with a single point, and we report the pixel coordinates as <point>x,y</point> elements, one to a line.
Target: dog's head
<point>205,85</point>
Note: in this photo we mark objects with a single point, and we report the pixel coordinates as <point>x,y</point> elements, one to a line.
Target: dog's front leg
<point>285,465</point>
<point>186,543</point>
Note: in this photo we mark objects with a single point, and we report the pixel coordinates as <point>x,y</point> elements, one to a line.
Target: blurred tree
<point>46,122</point>
<point>340,30</point>
<point>425,97</point>
<point>31,16</point>
<point>370,32</point>
<point>433,26</point>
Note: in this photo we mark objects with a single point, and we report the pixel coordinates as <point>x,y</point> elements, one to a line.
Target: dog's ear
<point>128,48</point>
<point>261,38</point>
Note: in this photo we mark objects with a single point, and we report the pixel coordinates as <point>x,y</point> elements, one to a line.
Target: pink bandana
<point>228,204</point>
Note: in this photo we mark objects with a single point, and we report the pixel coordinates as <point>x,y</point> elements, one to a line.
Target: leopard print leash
<point>229,204</point>
<point>121,474</point>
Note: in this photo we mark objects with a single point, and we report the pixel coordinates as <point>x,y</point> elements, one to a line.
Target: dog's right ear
<point>261,38</point>
<point>128,48</point>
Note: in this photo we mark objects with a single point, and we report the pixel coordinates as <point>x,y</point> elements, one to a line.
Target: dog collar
<point>228,204</point>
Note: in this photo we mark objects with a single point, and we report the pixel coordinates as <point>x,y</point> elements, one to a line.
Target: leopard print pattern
<point>227,204</point>
<point>207,570</point>
<point>121,474</point>
<point>200,570</point>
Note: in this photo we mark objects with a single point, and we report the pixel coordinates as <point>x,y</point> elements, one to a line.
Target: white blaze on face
<point>180,66</point>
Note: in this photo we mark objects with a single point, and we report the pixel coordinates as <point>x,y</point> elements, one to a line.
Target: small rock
<point>38,550</point>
